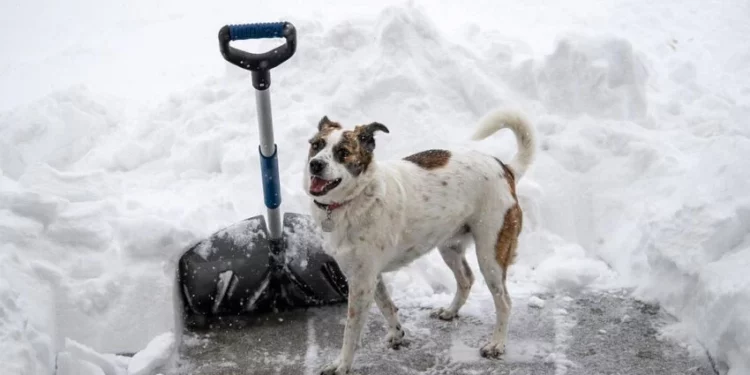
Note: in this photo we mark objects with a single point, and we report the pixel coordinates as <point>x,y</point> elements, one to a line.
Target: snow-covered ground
<point>124,137</point>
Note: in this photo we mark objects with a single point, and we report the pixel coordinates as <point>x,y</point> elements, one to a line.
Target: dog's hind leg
<point>453,255</point>
<point>495,252</point>
<point>395,337</point>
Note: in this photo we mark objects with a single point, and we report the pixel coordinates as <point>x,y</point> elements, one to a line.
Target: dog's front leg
<point>395,337</point>
<point>361,291</point>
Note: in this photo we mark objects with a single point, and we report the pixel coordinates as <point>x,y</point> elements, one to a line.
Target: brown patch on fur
<point>511,178</point>
<point>350,152</point>
<point>355,150</point>
<point>326,125</point>
<point>430,159</point>
<point>507,238</point>
<point>318,141</point>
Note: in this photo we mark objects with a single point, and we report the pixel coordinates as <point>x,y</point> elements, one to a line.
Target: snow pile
<point>154,356</point>
<point>702,274</point>
<point>27,322</point>
<point>639,180</point>
<point>77,359</point>
<point>602,77</point>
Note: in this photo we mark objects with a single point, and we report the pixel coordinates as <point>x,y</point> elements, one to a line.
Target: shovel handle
<point>258,63</point>
<point>256,30</point>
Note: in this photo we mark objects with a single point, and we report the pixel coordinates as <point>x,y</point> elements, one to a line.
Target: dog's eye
<point>317,145</point>
<point>342,153</point>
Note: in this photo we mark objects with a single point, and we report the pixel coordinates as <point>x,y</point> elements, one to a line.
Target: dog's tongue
<point>317,184</point>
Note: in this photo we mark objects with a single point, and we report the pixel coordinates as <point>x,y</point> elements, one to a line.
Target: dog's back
<point>435,196</point>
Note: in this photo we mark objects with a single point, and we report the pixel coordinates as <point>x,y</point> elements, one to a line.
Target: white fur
<point>523,132</point>
<point>397,211</point>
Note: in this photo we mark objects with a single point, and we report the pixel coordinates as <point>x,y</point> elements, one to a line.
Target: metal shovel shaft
<point>269,162</point>
<point>260,65</point>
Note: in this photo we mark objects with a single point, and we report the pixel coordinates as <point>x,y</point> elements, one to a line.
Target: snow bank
<point>154,356</point>
<point>77,359</point>
<point>639,180</point>
<point>27,318</point>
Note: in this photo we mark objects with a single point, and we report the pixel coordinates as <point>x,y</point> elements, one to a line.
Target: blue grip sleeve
<point>269,167</point>
<point>256,30</point>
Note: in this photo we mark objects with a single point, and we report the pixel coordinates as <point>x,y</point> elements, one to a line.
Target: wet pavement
<point>592,333</point>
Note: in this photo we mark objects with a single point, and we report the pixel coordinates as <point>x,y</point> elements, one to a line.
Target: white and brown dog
<point>380,216</point>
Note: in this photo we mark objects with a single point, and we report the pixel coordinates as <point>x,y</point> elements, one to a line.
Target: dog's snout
<point>317,166</point>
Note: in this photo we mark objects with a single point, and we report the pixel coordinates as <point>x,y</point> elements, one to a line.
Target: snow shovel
<point>255,266</point>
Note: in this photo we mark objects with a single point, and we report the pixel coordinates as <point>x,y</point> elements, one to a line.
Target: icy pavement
<point>592,333</point>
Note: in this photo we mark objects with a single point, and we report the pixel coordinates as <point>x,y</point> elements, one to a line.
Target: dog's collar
<point>328,207</point>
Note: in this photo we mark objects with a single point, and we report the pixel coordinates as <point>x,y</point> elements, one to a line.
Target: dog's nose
<point>317,166</point>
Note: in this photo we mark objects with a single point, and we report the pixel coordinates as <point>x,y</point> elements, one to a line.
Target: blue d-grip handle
<point>269,167</point>
<point>256,30</point>
<point>260,63</point>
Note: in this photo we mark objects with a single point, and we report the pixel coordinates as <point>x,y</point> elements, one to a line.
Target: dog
<point>379,216</point>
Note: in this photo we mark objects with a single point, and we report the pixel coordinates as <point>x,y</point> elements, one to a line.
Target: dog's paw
<point>333,368</point>
<point>395,339</point>
<point>443,314</point>
<point>493,350</point>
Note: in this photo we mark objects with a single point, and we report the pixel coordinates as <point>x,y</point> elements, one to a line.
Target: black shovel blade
<point>313,277</point>
<point>239,271</point>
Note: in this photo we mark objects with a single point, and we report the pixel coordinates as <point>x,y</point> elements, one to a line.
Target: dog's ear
<point>366,135</point>
<point>325,122</point>
<point>375,126</point>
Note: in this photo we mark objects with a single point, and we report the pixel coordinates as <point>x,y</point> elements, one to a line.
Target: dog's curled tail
<point>525,138</point>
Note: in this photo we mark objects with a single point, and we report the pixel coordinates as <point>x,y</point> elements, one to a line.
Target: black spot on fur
<point>454,248</point>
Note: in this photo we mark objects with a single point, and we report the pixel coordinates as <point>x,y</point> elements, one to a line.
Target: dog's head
<point>339,161</point>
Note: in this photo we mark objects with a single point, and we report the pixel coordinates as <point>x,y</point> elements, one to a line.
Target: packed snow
<point>154,356</point>
<point>536,302</point>
<point>125,137</point>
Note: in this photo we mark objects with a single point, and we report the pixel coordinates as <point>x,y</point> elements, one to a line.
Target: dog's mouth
<point>319,186</point>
